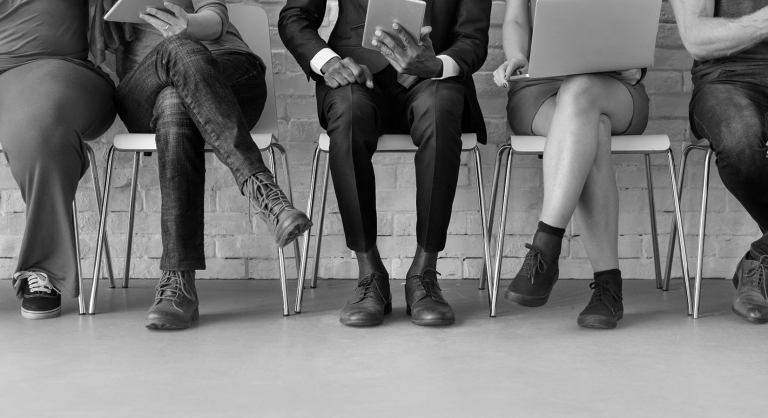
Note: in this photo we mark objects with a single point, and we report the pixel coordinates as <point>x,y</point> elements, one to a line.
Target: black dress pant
<point>431,112</point>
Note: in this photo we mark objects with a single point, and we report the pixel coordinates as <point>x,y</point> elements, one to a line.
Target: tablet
<point>128,10</point>
<point>409,14</point>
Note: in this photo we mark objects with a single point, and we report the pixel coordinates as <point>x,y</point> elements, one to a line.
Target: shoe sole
<point>429,322</point>
<point>299,226</point>
<point>523,300</point>
<point>171,325</point>
<point>749,318</point>
<point>599,322</point>
<point>351,323</point>
<point>53,313</point>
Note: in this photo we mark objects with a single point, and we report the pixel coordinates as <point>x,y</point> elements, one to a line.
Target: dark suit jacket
<point>459,30</point>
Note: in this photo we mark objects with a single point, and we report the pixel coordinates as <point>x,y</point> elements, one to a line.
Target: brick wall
<point>236,249</point>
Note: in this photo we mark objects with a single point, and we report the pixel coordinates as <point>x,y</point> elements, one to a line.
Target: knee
<point>349,105</point>
<point>579,91</point>
<point>443,100</point>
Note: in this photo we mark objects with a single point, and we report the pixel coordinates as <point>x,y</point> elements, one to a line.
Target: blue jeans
<point>189,97</point>
<point>729,108</point>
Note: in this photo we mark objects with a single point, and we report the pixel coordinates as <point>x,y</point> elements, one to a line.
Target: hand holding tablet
<point>129,11</point>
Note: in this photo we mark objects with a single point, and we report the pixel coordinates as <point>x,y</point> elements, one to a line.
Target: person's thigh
<point>730,116</point>
<point>434,104</point>
<point>245,75</point>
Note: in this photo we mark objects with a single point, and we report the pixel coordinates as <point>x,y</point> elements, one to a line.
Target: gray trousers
<point>47,109</point>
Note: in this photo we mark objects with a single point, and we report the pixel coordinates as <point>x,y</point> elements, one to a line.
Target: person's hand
<point>410,57</point>
<point>339,72</point>
<point>168,24</point>
<point>515,66</point>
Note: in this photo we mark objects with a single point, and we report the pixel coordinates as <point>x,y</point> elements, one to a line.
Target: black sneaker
<point>40,299</point>
<point>533,284</point>
<point>605,309</point>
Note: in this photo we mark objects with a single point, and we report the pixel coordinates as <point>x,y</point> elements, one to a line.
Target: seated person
<point>189,78</point>
<point>51,100</point>
<point>730,99</point>
<point>578,114</point>
<point>420,87</point>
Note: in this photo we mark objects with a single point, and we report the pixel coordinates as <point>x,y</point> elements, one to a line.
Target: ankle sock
<point>549,240</point>
<point>612,276</point>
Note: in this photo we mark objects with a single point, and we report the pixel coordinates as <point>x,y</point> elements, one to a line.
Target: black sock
<point>422,260</point>
<point>549,240</point>
<point>612,276</point>
<point>369,262</point>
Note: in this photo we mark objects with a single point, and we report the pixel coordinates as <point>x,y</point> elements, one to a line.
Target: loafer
<point>751,299</point>
<point>371,301</point>
<point>425,302</point>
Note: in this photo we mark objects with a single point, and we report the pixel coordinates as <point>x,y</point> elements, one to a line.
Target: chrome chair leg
<point>502,224</point>
<point>319,234</point>
<point>305,252</point>
<point>681,235</point>
<point>481,198</point>
<point>100,234</point>
<point>491,209</point>
<point>131,218</point>
<point>287,174</point>
<point>654,231</point>
<point>280,253</point>
<point>80,298</point>
<point>702,226</point>
<point>673,229</point>
<point>97,191</point>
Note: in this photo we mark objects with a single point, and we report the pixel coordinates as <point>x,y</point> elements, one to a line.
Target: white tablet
<point>409,14</point>
<point>128,11</point>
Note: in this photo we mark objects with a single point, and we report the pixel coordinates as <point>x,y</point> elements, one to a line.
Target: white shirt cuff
<point>321,58</point>
<point>450,68</point>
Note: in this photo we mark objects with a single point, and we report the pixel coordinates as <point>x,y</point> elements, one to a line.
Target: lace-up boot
<point>40,299</point>
<point>176,303</point>
<point>425,302</point>
<point>605,308</point>
<point>274,208</point>
<point>751,299</point>
<point>372,300</point>
<point>534,282</point>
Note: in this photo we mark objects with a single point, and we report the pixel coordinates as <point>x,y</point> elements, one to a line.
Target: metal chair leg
<point>652,210</point>
<point>305,252</point>
<point>321,223</point>
<point>681,235</point>
<point>280,254</point>
<point>702,226</point>
<point>131,218</point>
<point>97,191</point>
<point>500,240</point>
<point>673,229</point>
<point>80,298</point>
<point>287,174</point>
<point>491,209</point>
<point>481,197</point>
<point>100,235</point>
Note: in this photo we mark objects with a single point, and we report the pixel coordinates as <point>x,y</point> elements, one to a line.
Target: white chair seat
<point>401,143</point>
<point>146,142</point>
<point>630,144</point>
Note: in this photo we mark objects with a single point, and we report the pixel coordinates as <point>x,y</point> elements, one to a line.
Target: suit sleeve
<point>470,43</point>
<point>298,24</point>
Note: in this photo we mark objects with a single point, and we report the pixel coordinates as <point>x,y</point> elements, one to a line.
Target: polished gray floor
<point>245,359</point>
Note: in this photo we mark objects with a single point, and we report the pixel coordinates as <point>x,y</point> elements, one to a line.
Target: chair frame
<point>508,148</point>
<point>383,140</point>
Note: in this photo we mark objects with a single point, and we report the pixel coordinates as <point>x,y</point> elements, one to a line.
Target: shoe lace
<point>602,291</point>
<point>367,286</point>
<point>270,201</point>
<point>38,282</point>
<point>762,274</point>
<point>428,283</point>
<point>534,262</point>
<point>172,286</point>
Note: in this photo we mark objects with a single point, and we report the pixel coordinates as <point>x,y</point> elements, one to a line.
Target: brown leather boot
<point>751,299</point>
<point>275,209</point>
<point>176,303</point>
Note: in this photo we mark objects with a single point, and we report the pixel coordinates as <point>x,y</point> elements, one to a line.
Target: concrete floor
<point>245,359</point>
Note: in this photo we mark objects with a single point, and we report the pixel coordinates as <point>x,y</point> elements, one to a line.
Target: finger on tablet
<point>404,36</point>
<point>176,9</point>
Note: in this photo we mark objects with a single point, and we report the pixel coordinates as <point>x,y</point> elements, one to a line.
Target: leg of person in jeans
<point>188,98</point>
<point>47,109</point>
<point>732,117</point>
<point>578,173</point>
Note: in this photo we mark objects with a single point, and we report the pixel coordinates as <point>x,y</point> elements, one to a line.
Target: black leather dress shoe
<point>751,299</point>
<point>371,302</point>
<point>425,302</point>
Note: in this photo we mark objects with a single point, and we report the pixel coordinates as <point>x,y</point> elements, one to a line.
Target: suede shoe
<point>275,209</point>
<point>372,300</point>
<point>176,303</point>
<point>533,284</point>
<point>751,299</point>
<point>40,299</point>
<point>425,302</point>
<point>605,308</point>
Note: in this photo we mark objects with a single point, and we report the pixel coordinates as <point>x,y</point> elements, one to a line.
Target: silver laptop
<point>592,36</point>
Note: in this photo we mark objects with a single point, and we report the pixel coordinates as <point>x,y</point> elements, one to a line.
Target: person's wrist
<point>438,64</point>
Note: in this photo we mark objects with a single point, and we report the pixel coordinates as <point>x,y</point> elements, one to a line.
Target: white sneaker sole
<point>53,313</point>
